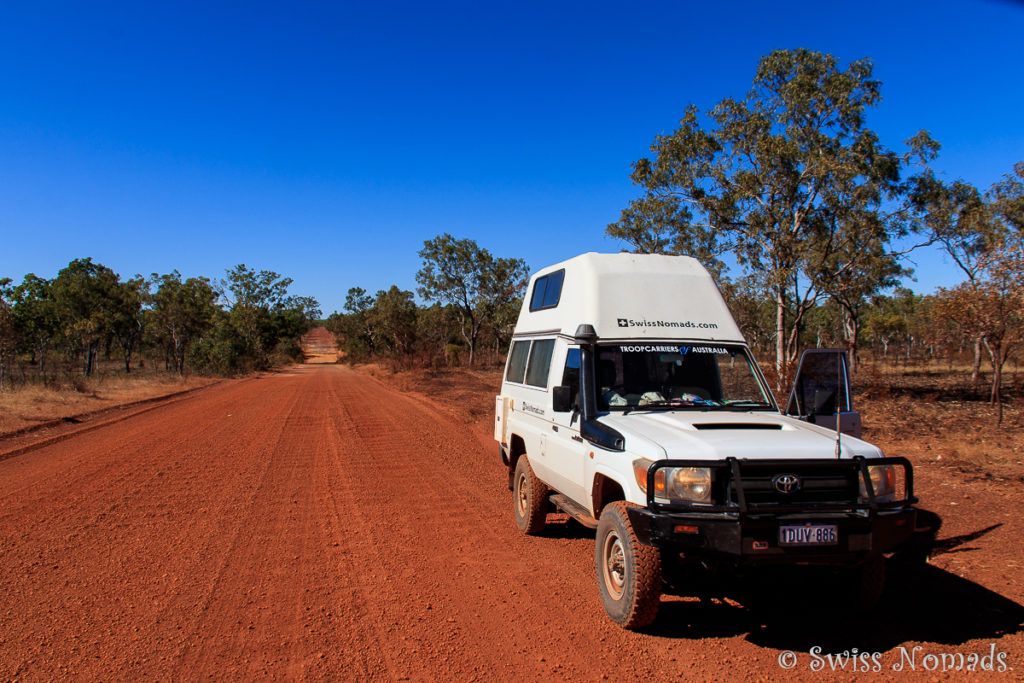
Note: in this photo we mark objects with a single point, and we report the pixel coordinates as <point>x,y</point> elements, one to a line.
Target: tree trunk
<point>995,353</point>
<point>87,360</point>
<point>780,336</point>
<point>997,380</point>
<point>976,370</point>
<point>851,327</point>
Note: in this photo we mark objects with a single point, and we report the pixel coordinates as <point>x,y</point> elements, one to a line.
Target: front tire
<point>529,499</point>
<point>628,572</point>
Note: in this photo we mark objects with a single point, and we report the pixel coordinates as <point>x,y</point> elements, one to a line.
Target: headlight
<point>689,484</point>
<point>883,480</point>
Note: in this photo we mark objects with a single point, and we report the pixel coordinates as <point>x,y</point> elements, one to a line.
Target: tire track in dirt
<point>457,575</point>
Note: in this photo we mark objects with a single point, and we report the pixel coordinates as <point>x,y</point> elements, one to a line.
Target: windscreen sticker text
<point>682,350</point>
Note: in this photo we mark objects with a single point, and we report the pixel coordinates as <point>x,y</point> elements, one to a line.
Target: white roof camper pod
<point>628,296</point>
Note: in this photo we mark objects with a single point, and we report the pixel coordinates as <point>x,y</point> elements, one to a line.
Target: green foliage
<point>1007,198</point>
<point>128,316</point>
<point>87,303</point>
<point>467,277</point>
<point>393,319</point>
<point>265,319</point>
<point>475,296</point>
<point>959,220</point>
<point>437,328</point>
<point>9,333</point>
<point>788,180</point>
<point>182,313</point>
<point>36,312</point>
<point>753,310</point>
<point>88,307</point>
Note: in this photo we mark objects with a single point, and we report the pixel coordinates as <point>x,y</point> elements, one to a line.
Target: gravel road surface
<point>318,523</point>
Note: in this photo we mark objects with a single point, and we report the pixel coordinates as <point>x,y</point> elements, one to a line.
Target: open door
<point>821,391</point>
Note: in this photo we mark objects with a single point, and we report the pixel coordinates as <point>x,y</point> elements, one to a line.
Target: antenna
<point>839,396</point>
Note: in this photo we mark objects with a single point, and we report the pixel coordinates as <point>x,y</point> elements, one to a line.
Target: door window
<point>517,362</point>
<point>540,362</point>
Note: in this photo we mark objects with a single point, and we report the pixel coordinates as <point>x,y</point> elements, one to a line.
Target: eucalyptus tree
<point>1007,198</point>
<point>86,297</point>
<point>128,316</point>
<point>393,318</point>
<point>765,178</point>
<point>478,285</point>
<point>36,312</point>
<point>992,307</point>
<point>9,333</point>
<point>182,313</point>
<point>853,262</point>
<point>254,296</point>
<point>971,228</point>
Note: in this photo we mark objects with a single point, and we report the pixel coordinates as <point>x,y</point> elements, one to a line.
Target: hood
<point>704,435</point>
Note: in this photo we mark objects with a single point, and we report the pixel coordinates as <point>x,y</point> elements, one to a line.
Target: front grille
<point>745,486</point>
<point>831,483</point>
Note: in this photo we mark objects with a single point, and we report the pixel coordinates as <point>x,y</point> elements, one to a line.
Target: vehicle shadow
<point>564,526</point>
<point>789,611</point>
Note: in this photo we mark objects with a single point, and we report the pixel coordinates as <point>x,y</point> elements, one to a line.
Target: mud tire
<point>628,572</point>
<point>529,499</point>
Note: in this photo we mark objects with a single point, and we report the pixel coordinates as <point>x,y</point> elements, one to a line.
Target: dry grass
<point>32,404</point>
<point>927,414</point>
<point>960,433</point>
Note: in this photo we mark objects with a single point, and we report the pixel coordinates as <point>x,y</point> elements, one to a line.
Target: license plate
<point>808,534</point>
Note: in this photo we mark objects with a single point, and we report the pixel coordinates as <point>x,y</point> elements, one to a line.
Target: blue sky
<point>327,141</point>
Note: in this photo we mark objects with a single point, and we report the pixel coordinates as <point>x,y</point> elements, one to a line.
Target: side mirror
<point>561,399</point>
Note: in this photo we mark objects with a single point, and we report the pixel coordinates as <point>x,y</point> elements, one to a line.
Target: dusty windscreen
<point>653,375</point>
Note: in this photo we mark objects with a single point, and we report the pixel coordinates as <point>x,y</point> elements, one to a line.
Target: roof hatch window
<point>547,291</point>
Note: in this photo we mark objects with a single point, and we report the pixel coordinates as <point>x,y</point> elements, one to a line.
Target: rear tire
<point>628,572</point>
<point>529,498</point>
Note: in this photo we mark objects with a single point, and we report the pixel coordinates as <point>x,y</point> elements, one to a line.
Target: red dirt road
<point>317,523</point>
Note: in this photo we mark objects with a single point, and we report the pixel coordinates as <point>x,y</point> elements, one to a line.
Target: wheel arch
<point>516,448</point>
<point>604,491</point>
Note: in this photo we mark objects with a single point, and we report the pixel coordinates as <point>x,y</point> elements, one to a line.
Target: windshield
<point>651,376</point>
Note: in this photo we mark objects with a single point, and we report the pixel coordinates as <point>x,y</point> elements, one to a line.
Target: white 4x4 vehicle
<point>631,402</point>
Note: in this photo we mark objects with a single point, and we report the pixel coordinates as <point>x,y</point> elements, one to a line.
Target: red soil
<point>318,523</point>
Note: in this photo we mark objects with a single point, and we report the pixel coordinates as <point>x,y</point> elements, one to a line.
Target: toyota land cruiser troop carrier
<point>631,402</point>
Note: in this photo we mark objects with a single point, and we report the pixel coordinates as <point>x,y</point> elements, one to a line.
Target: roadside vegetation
<point>809,223</point>
<point>88,325</point>
<point>820,219</point>
<point>474,299</point>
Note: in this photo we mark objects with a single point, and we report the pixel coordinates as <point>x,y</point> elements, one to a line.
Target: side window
<point>540,361</point>
<point>547,291</point>
<point>517,363</point>
<point>571,374</point>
